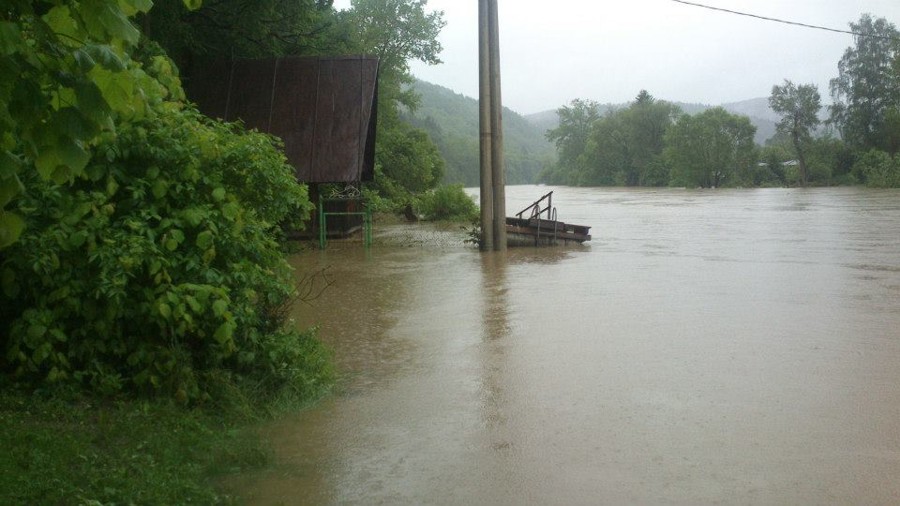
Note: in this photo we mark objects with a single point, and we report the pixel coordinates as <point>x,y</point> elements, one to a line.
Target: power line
<point>794,23</point>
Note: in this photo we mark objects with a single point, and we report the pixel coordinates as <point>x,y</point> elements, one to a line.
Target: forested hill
<point>452,121</point>
<point>757,109</point>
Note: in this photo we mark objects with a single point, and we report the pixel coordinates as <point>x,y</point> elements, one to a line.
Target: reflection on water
<point>706,347</point>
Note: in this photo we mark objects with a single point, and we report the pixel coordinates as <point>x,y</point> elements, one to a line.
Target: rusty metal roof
<point>324,109</point>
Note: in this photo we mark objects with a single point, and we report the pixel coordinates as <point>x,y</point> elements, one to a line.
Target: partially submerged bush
<point>448,203</point>
<point>160,267</point>
<point>879,169</point>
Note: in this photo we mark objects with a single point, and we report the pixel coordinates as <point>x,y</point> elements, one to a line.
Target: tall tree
<point>868,85</point>
<point>712,149</point>
<point>647,121</point>
<point>571,136</point>
<point>397,32</point>
<point>799,109</point>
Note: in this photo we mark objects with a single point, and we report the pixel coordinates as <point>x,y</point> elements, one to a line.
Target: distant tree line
<point>653,143</point>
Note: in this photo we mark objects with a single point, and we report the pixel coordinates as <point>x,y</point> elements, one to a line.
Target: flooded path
<point>717,347</point>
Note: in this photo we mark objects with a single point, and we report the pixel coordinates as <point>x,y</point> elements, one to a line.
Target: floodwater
<point>707,347</point>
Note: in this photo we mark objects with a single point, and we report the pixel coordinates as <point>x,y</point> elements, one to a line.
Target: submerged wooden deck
<point>538,231</point>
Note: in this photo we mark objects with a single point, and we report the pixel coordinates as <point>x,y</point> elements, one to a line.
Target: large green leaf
<point>115,87</point>
<point>60,20</point>
<point>92,104</point>
<point>72,123</point>
<point>9,188</point>
<point>106,56</point>
<point>193,4</point>
<point>62,160</point>
<point>132,7</point>
<point>205,239</point>
<point>10,38</point>
<point>106,21</point>
<point>11,227</point>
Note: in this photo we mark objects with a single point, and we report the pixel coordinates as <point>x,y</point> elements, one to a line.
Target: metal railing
<point>536,212</point>
<point>366,215</point>
<point>536,209</point>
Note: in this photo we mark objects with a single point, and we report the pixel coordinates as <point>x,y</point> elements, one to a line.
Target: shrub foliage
<point>160,267</point>
<point>448,203</point>
<point>879,169</point>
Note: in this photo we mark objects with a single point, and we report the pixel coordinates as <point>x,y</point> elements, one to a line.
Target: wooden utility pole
<point>493,170</point>
<point>484,102</point>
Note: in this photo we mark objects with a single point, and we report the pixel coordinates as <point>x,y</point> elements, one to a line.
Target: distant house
<point>789,163</point>
<point>324,109</point>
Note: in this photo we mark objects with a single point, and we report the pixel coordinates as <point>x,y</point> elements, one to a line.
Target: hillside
<point>452,121</point>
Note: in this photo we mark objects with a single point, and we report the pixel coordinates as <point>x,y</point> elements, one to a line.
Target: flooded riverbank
<point>731,347</point>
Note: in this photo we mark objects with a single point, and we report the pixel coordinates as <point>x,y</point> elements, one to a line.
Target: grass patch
<point>67,449</point>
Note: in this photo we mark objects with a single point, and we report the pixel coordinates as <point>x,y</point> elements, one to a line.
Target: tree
<point>710,150</point>
<point>407,163</point>
<point>66,76</point>
<point>242,29</point>
<point>647,121</point>
<point>607,155</point>
<point>799,109</point>
<point>867,88</point>
<point>397,32</point>
<point>621,148</point>
<point>571,136</point>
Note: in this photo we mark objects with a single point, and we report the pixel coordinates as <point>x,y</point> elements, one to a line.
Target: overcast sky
<point>606,50</point>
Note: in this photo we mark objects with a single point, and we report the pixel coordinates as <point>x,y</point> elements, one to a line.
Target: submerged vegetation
<point>448,203</point>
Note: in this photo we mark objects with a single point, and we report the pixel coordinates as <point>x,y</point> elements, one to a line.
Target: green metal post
<point>321,222</point>
<point>368,225</point>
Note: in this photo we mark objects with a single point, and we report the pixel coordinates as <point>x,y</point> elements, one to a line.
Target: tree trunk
<point>801,159</point>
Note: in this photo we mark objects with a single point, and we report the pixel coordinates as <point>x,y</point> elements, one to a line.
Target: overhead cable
<point>794,23</point>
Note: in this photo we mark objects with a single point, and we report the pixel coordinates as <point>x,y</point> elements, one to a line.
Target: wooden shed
<point>325,109</point>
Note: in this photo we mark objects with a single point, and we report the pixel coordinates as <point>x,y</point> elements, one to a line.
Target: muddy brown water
<point>707,347</point>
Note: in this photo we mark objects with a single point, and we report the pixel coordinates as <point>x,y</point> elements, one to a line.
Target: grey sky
<point>606,50</point>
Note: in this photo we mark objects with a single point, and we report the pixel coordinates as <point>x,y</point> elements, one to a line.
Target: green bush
<point>161,268</point>
<point>407,163</point>
<point>880,169</point>
<point>448,203</point>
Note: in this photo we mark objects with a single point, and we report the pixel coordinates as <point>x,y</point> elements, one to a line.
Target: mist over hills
<point>451,119</point>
